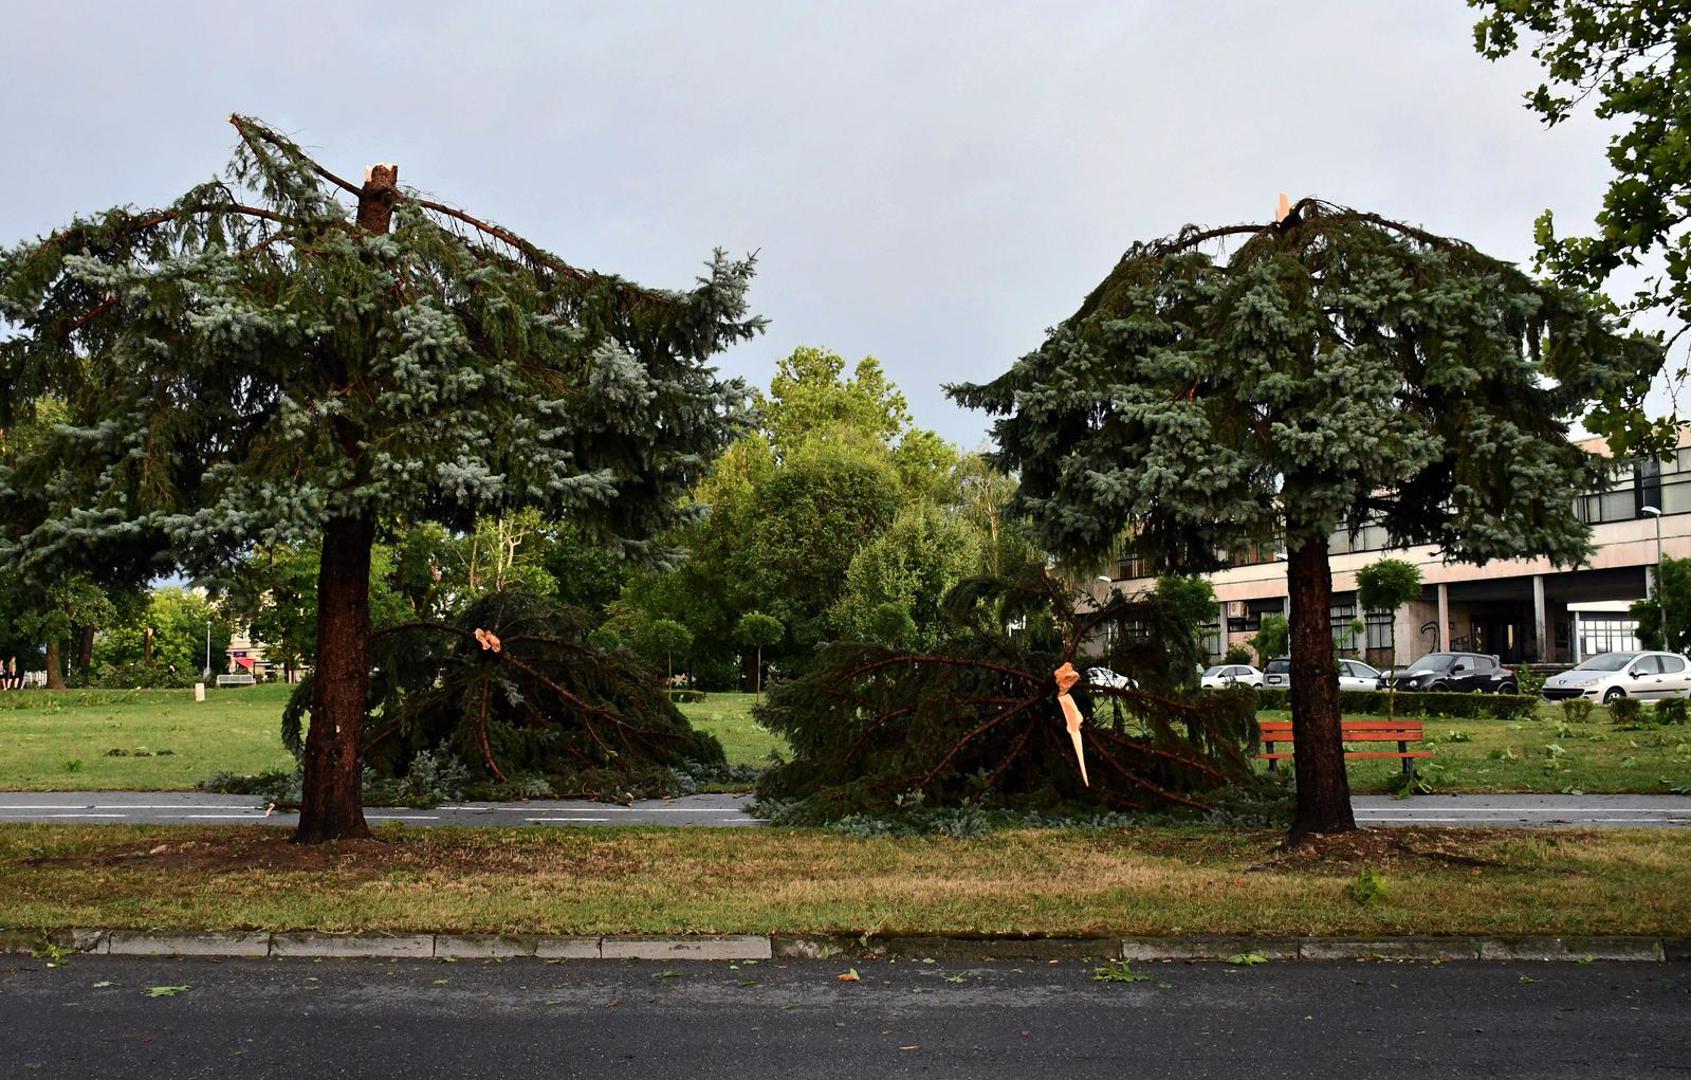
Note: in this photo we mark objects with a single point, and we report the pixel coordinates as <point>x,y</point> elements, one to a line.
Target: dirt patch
<point>1396,848</point>
<point>253,849</point>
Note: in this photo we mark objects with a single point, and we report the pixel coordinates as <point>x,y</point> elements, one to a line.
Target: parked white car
<point>1222,676</point>
<point>1109,680</point>
<point>1353,675</point>
<point>1650,676</point>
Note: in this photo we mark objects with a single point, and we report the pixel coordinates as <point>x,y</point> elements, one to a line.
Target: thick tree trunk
<point>85,650</point>
<point>1318,762</point>
<point>55,666</point>
<point>332,804</point>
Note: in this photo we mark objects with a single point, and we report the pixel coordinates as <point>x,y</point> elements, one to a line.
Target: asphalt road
<point>94,1017</point>
<point>198,808</point>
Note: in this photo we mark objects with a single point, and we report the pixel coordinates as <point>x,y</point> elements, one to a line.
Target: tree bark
<point>55,668</point>
<point>1323,802</point>
<point>85,650</point>
<point>332,803</point>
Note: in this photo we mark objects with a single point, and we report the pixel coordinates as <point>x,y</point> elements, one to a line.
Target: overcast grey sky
<point>931,183</point>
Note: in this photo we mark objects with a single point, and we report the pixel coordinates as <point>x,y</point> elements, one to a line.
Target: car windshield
<point>1609,661</point>
<point>1432,662</point>
<point>1217,670</point>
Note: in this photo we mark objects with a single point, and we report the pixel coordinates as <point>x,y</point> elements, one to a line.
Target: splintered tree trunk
<point>1318,760</point>
<point>332,805</point>
<point>55,666</point>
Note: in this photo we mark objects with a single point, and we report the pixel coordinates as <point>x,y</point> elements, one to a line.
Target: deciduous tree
<point>1631,60</point>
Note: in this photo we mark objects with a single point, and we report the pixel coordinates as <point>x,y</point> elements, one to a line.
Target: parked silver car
<point>1650,676</point>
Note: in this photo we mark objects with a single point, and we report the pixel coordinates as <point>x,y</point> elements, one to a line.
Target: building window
<point>1210,634</point>
<point>1379,631</point>
<point>1132,567</point>
<point>1343,615</point>
<point>1607,633</point>
<point>1254,554</point>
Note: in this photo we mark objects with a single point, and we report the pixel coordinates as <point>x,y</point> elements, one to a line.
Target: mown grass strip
<point>1138,882</point>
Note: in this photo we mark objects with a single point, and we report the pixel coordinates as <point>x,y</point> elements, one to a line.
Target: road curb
<point>1218,949</point>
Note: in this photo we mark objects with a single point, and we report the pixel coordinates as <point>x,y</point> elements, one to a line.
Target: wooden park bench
<point>1402,732</point>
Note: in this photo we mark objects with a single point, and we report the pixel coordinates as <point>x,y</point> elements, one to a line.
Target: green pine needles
<point>1337,368</point>
<point>974,719</point>
<point>532,700</point>
<point>247,362</point>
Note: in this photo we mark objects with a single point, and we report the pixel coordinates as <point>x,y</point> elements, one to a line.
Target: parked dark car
<point>1456,672</point>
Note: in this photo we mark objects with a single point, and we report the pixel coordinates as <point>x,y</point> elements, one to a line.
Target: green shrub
<point>1529,682</point>
<point>1238,654</point>
<point>1577,710</point>
<point>1671,711</point>
<point>1625,710</point>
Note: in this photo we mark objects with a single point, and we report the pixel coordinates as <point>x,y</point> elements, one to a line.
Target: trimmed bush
<point>1420,703</point>
<point>1625,710</point>
<point>1671,711</point>
<point>1577,710</point>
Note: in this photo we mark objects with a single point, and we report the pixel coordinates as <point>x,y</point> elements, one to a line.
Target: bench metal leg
<point>1272,764</point>
<point>1408,762</point>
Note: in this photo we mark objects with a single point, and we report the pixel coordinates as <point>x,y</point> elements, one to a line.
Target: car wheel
<point>1614,694</point>
<point>1507,688</point>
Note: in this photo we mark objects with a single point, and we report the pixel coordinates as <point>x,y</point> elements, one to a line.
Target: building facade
<point>1524,610</point>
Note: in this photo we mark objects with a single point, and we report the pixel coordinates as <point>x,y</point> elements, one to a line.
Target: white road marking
<point>1493,821</point>
<point>126,806</point>
<point>566,820</point>
<point>1523,809</point>
<point>402,817</point>
<point>607,809</point>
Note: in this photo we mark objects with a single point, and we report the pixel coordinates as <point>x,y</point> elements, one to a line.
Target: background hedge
<point>1419,703</point>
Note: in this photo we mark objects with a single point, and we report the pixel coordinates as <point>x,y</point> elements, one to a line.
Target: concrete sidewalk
<point>199,808</point>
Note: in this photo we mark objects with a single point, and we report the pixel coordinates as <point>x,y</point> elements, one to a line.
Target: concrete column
<point>1577,656</point>
<point>1444,617</point>
<point>1540,619</point>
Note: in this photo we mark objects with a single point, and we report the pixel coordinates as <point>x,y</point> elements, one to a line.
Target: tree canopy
<point>1632,62</point>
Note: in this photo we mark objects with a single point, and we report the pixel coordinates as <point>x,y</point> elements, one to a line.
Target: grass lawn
<point>62,741</point>
<point>1152,881</point>
<point>1541,754</point>
<point>729,718</point>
